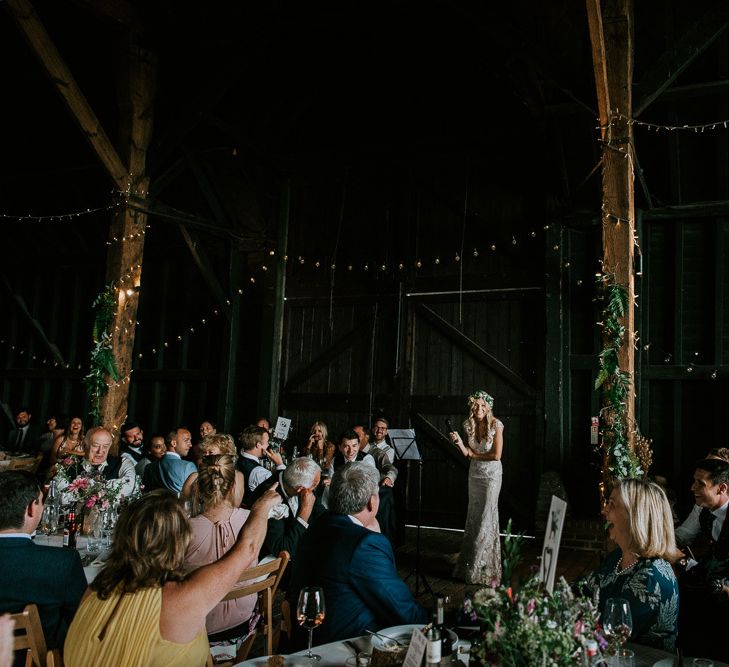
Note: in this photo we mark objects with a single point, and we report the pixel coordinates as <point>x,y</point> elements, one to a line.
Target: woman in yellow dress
<point>141,610</point>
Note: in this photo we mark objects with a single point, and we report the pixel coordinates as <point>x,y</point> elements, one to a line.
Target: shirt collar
<point>252,457</point>
<point>355,520</point>
<point>720,512</point>
<point>88,466</point>
<point>15,535</point>
<point>173,454</point>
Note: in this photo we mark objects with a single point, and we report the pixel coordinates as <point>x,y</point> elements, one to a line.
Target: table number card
<point>283,425</point>
<point>416,650</point>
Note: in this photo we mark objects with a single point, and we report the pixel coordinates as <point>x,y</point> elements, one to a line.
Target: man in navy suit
<point>50,577</point>
<point>345,554</point>
<point>24,438</point>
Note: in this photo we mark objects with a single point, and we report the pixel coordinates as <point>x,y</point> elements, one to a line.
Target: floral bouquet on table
<point>527,626</point>
<point>86,489</point>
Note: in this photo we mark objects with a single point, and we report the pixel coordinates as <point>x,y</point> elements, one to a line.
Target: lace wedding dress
<point>480,559</point>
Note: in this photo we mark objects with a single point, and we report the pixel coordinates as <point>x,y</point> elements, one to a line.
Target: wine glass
<point>617,622</point>
<point>310,612</point>
<point>49,522</point>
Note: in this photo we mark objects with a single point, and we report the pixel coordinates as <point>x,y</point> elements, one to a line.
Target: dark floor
<point>439,551</point>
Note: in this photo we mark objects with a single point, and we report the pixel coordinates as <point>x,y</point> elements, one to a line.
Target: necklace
<point>618,570</point>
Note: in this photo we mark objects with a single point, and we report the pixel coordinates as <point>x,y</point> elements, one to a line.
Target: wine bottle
<point>446,645</point>
<point>69,530</point>
<point>432,651</point>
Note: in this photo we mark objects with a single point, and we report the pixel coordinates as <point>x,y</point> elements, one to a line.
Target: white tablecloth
<point>90,570</point>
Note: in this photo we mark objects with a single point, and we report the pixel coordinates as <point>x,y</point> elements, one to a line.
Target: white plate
<point>401,633</point>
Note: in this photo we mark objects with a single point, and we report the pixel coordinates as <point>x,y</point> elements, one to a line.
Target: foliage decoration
<point>529,627</point>
<point>616,384</point>
<point>103,363</point>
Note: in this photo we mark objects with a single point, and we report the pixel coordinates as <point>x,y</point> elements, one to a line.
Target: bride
<point>480,559</point>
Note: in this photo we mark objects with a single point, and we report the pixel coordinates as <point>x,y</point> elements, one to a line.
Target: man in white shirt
<point>254,442</point>
<point>704,608</point>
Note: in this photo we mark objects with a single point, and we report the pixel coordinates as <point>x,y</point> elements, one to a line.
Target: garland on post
<point>102,356</point>
<point>619,460</point>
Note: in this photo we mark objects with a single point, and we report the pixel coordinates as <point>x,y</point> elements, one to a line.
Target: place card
<point>416,650</point>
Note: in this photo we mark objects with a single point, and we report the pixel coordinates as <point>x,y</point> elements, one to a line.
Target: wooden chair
<point>269,576</point>
<point>30,638</point>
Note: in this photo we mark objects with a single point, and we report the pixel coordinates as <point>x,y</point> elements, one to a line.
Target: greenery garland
<point>616,383</point>
<point>102,356</point>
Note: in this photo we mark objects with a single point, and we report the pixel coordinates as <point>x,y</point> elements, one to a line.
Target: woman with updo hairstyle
<point>215,525</point>
<point>215,445</point>
<point>145,609</point>
<point>479,561</point>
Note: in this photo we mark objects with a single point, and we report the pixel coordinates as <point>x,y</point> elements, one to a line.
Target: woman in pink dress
<point>214,532</point>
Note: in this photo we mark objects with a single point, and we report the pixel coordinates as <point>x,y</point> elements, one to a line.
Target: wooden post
<point>126,233</point>
<point>611,34</point>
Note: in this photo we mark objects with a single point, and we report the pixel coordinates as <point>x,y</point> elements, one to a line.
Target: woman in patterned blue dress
<point>640,523</point>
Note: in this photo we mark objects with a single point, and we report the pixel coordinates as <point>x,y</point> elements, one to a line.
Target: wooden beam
<point>681,212</point>
<point>681,54</point>
<point>49,56</point>
<point>126,256</point>
<point>611,33</point>
<point>204,266</point>
<point>34,323</point>
<point>474,349</point>
<point>118,11</point>
<point>599,63</point>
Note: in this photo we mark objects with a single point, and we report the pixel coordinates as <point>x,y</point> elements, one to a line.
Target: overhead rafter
<point>684,51</point>
<point>61,77</point>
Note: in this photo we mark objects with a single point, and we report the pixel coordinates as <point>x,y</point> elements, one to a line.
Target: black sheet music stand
<point>406,449</point>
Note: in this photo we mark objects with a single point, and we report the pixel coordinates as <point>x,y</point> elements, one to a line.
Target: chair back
<point>30,638</point>
<point>264,581</point>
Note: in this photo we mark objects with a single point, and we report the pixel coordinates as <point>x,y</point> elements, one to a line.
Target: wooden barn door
<point>491,340</point>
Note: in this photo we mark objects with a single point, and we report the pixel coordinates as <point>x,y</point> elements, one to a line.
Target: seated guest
<point>215,526</point>
<point>131,442</point>
<point>348,451</point>
<point>254,443</point>
<point>171,472</point>
<point>344,553</point>
<point>153,450</point>
<point>70,443</point>
<point>318,445</point>
<point>296,486</point>
<point>206,428</point>
<point>216,444</point>
<point>705,586</point>
<point>25,437</point>
<point>30,573</point>
<point>639,570</point>
<point>142,610</point>
<point>97,461</point>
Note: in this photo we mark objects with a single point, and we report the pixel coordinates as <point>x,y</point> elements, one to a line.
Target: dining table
<point>91,561</point>
<point>343,653</point>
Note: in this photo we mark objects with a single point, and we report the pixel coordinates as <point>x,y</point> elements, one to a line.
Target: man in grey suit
<point>30,573</point>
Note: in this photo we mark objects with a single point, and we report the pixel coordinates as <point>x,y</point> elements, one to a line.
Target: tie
<point>706,521</point>
<point>21,437</point>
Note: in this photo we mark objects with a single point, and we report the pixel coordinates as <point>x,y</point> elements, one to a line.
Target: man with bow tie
<point>97,461</point>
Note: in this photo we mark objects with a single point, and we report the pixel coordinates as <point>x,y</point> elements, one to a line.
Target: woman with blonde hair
<point>143,609</point>
<point>216,444</point>
<point>318,445</point>
<point>639,570</point>
<point>215,524</point>
<point>480,558</point>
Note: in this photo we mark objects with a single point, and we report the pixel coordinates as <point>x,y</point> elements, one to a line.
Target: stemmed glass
<point>49,522</point>
<point>617,622</point>
<point>310,612</point>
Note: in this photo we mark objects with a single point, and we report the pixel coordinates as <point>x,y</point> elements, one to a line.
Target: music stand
<point>406,449</point>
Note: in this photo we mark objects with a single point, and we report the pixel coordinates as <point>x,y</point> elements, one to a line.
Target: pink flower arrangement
<point>79,484</point>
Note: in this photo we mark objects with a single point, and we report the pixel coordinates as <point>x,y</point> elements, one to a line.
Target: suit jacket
<point>31,442</point>
<point>50,577</point>
<point>284,534</point>
<point>170,472</point>
<point>356,568</point>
